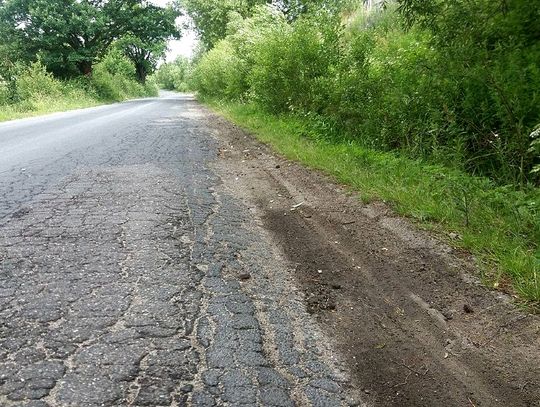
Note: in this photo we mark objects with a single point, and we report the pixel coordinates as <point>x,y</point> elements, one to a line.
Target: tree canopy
<point>212,17</point>
<point>145,42</point>
<point>69,36</point>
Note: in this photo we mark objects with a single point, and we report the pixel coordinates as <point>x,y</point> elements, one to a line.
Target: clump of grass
<point>500,225</point>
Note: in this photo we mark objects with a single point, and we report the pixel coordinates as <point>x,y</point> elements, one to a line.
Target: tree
<point>144,55</point>
<point>174,75</point>
<point>70,35</point>
<point>11,52</point>
<point>211,17</point>
<point>145,44</point>
<point>6,50</point>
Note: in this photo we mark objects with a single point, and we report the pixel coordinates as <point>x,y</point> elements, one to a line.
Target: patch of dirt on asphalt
<point>406,312</point>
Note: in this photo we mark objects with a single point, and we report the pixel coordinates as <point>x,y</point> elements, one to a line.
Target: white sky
<point>185,45</point>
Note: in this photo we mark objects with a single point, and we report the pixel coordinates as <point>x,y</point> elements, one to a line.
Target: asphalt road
<point>124,267</point>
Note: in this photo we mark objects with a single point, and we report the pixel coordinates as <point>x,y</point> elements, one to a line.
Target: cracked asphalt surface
<point>130,277</point>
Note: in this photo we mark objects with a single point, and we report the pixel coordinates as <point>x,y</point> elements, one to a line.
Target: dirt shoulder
<point>406,312</point>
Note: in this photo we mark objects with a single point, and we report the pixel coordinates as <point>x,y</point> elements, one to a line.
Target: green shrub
<point>31,89</point>
<point>150,88</point>
<point>489,52</point>
<point>113,79</point>
<point>5,94</point>
<point>221,73</point>
<point>448,83</point>
<point>106,86</point>
<point>174,75</point>
<point>458,85</point>
<point>116,64</point>
<point>534,149</point>
<point>165,76</point>
<point>387,97</point>
<point>35,83</point>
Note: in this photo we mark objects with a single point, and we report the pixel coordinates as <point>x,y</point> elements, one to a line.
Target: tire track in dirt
<point>406,311</point>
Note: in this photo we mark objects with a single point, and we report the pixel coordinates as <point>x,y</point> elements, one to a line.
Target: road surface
<point>153,254</point>
<point>122,271</point>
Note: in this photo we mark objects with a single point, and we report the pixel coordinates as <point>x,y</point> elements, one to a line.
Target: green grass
<point>499,225</point>
<point>37,92</point>
<point>74,99</point>
<point>47,105</point>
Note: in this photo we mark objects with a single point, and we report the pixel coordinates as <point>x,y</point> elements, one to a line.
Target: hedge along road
<point>152,254</point>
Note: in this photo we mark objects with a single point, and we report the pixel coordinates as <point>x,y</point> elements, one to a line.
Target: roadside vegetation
<point>57,55</point>
<point>174,75</point>
<point>432,106</point>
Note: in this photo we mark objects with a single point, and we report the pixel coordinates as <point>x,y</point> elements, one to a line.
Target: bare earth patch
<point>408,314</point>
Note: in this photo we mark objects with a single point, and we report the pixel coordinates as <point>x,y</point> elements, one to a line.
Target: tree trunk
<point>141,73</point>
<point>85,67</point>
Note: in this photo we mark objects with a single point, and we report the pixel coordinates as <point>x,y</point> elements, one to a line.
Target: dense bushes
<point>114,78</point>
<point>32,89</point>
<point>174,75</point>
<point>221,73</point>
<point>454,85</point>
<point>291,68</point>
<point>490,49</point>
<point>459,87</point>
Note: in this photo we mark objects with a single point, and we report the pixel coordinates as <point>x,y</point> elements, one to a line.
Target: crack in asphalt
<point>119,282</point>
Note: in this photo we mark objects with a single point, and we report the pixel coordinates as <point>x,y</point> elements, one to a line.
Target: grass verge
<point>70,100</point>
<point>35,91</point>
<point>47,105</point>
<point>500,225</point>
